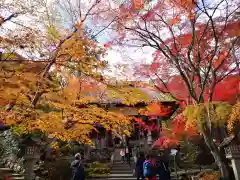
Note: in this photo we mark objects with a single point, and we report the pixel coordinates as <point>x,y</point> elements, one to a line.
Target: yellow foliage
<point>63,110</point>
<point>77,123</point>
<point>54,145</point>
<point>217,114</point>
<point>164,124</point>
<point>223,110</point>
<point>193,114</point>
<point>209,175</point>
<point>234,119</point>
<point>66,120</point>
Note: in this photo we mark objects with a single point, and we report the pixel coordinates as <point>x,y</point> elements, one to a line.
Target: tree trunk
<point>215,151</point>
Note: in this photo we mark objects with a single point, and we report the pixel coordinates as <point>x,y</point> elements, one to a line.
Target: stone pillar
<point>30,162</point>
<point>31,156</point>
<point>233,153</point>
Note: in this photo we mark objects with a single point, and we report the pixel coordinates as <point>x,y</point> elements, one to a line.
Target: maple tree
<point>51,96</point>
<point>196,58</point>
<point>22,27</point>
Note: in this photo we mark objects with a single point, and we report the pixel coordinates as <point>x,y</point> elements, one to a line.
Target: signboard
<point>174,152</point>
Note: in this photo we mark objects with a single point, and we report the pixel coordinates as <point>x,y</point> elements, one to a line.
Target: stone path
<point>9,172</point>
<point>122,171</point>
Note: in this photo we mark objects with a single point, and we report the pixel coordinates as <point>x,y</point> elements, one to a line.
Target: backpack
<point>148,169</point>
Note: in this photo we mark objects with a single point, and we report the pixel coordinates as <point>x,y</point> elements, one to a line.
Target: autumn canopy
<point>53,93</point>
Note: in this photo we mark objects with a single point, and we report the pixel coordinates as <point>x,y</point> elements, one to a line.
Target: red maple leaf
<point>157,109</point>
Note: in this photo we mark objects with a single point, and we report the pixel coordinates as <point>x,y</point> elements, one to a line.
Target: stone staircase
<point>122,171</point>
<point>9,173</point>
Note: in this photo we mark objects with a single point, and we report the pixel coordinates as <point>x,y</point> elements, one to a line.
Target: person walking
<point>139,166</point>
<point>127,154</point>
<point>135,154</point>
<point>122,154</point>
<point>77,168</point>
<point>149,168</point>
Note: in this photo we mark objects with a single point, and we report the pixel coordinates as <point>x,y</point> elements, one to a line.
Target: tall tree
<point>196,52</point>
<point>49,95</point>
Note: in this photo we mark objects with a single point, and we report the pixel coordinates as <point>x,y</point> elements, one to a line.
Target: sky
<point>117,54</point>
<point>120,55</point>
<point>135,56</point>
<point>131,56</point>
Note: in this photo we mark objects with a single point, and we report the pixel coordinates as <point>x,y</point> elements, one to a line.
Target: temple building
<point>110,103</point>
<point>139,135</point>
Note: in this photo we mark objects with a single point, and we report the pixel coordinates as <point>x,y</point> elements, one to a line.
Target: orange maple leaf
<point>174,21</point>
<point>222,56</point>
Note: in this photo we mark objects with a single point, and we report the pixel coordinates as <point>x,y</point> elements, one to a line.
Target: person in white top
<point>122,154</point>
<point>127,150</point>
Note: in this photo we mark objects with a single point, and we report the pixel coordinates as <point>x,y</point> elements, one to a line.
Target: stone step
<point>119,163</point>
<point>5,170</point>
<point>128,175</point>
<point>17,178</point>
<point>123,167</point>
<point>121,175</point>
<point>122,171</point>
<point>9,172</point>
<point>127,178</point>
<point>14,178</point>
<point>120,178</point>
<point>16,175</point>
<point>122,164</point>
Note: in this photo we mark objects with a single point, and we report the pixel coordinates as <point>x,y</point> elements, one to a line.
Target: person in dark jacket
<point>77,168</point>
<point>139,166</point>
<point>128,155</point>
<point>162,168</point>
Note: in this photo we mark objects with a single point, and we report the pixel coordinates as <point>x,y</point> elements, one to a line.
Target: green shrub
<point>96,169</point>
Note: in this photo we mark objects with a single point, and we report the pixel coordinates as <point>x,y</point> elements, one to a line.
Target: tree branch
<point>2,20</point>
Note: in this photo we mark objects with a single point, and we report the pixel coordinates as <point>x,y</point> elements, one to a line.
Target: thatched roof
<point>15,60</point>
<point>155,95</point>
<point>142,92</point>
<point>143,96</point>
<point>27,65</point>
